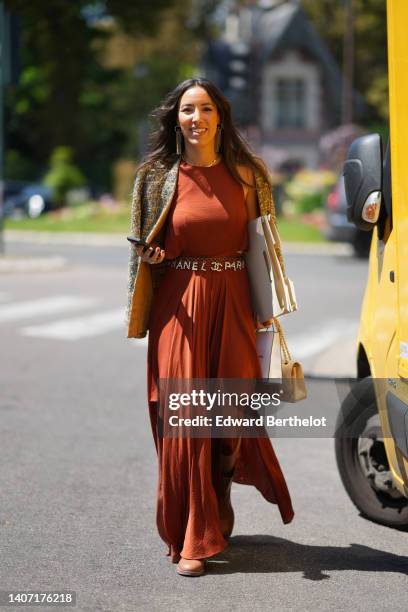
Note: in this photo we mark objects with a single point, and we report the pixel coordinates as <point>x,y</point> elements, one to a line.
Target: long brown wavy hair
<point>234,149</point>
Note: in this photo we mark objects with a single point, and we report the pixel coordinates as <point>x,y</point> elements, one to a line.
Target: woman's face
<point>198,118</point>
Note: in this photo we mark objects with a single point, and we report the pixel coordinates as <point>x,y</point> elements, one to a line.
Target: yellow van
<point>372,440</point>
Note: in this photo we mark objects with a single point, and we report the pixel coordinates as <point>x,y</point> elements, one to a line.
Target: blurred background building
<point>282,80</point>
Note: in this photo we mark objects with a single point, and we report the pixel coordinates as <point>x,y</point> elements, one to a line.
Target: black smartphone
<point>138,242</point>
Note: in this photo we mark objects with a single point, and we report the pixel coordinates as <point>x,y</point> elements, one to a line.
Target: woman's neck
<point>201,157</point>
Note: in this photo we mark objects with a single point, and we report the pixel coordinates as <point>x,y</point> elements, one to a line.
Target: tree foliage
<point>68,96</point>
<point>370,45</point>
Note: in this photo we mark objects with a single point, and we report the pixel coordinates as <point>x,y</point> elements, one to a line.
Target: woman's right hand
<point>152,255</point>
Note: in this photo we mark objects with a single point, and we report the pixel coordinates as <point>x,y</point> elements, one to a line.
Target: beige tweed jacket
<point>153,192</point>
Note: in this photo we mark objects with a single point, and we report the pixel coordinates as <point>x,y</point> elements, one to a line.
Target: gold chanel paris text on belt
<point>207,264</point>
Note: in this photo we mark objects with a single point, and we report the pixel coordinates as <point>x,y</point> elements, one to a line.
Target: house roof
<point>270,25</point>
<point>288,27</point>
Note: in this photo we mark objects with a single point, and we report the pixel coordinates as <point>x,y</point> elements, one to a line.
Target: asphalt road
<point>78,475</point>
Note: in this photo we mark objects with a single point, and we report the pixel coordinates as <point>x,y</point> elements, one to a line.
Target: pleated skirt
<point>201,326</point>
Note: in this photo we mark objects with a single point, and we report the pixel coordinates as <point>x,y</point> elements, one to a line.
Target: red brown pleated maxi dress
<point>201,326</point>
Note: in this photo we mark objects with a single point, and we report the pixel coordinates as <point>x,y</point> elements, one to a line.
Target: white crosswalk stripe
<point>139,342</point>
<point>303,346</point>
<point>45,306</point>
<point>78,327</point>
<point>316,340</point>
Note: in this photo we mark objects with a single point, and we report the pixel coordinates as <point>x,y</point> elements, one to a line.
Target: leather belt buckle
<point>216,265</point>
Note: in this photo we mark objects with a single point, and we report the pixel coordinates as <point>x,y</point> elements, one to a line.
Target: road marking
<point>139,342</point>
<point>78,327</point>
<point>44,306</point>
<point>320,338</point>
<point>310,343</point>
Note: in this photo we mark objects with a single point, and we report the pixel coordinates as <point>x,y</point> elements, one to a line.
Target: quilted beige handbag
<point>293,380</point>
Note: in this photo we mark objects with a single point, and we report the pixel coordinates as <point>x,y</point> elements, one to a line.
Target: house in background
<point>282,81</point>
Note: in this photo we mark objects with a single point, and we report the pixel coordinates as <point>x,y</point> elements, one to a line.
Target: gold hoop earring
<point>179,140</point>
<point>218,140</point>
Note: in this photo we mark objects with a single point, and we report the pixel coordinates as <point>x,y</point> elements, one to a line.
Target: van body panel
<point>384,317</point>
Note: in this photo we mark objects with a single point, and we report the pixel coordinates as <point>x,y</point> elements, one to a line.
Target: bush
<point>63,174</point>
<point>307,190</point>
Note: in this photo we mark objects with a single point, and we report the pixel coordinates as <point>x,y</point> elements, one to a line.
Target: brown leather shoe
<point>191,567</point>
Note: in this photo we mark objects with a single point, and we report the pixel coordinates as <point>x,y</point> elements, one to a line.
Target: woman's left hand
<point>152,255</point>
<point>259,325</point>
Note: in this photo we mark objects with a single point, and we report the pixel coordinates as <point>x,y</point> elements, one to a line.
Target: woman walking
<point>194,194</point>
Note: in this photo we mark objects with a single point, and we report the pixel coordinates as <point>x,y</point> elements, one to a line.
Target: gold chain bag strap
<point>293,380</point>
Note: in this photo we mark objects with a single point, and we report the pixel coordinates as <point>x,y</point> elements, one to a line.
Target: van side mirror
<point>363,177</point>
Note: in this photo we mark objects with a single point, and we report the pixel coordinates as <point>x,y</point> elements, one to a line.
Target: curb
<point>83,238</point>
<point>94,239</point>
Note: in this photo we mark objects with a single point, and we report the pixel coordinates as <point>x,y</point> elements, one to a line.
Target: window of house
<point>290,103</point>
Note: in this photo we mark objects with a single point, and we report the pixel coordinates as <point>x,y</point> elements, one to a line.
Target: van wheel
<point>362,461</point>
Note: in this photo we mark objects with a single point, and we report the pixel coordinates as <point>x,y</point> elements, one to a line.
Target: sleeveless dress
<point>201,326</point>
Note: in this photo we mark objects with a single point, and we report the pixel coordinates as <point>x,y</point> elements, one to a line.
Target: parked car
<point>338,227</point>
<point>22,198</point>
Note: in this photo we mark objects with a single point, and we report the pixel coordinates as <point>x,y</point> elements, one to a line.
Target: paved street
<point>329,291</point>
<point>78,477</point>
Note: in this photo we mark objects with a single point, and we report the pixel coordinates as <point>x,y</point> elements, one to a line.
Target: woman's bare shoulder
<point>246,173</point>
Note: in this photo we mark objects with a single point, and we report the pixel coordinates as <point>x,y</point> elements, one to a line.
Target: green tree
<point>67,97</point>
<point>370,42</point>
<point>63,175</point>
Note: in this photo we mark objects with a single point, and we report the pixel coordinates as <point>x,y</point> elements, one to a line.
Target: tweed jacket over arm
<point>153,193</point>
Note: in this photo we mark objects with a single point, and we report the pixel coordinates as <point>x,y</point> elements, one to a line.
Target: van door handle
<point>392,276</point>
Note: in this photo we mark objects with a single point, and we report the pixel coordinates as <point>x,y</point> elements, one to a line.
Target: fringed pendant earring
<point>218,142</point>
<point>179,141</point>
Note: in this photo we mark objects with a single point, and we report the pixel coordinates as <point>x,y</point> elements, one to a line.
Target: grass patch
<point>92,217</point>
<point>89,217</point>
<point>298,231</point>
